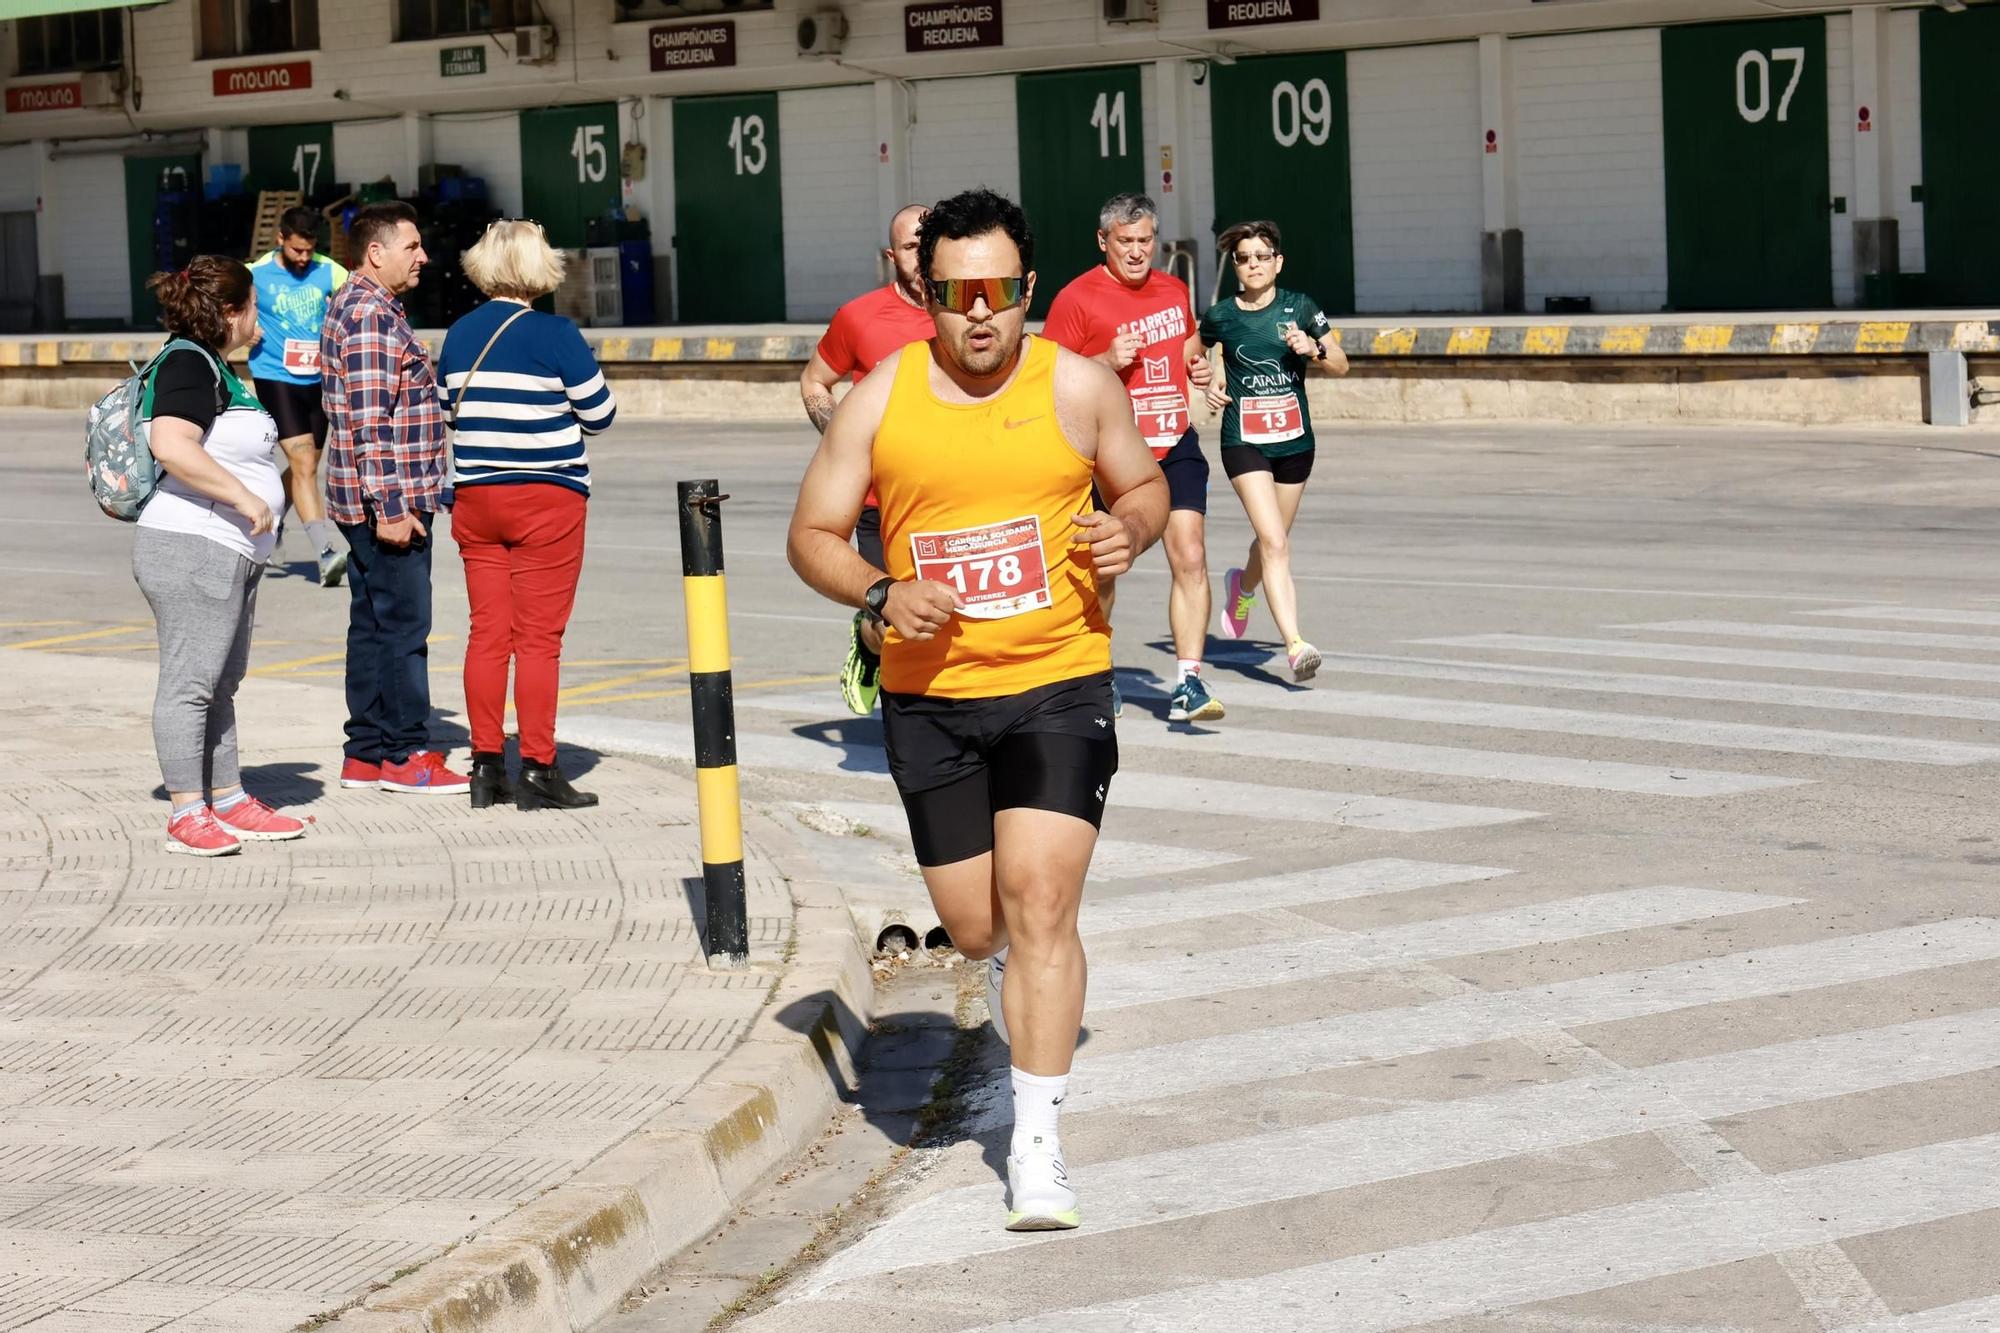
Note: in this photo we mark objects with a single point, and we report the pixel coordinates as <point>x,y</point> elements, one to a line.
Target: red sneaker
<point>360,773</point>
<point>424,774</point>
<point>198,833</point>
<point>253,821</point>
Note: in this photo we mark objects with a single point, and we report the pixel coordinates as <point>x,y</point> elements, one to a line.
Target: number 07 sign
<point>997,570</point>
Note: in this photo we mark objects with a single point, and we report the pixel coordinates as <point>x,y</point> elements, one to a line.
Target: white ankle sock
<point>190,807</point>
<point>1187,668</point>
<point>1038,1100</point>
<point>224,804</point>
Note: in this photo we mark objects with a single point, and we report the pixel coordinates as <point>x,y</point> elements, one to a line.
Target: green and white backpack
<point>117,453</point>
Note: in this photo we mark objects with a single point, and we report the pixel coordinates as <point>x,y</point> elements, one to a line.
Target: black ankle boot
<point>489,780</point>
<point>543,787</point>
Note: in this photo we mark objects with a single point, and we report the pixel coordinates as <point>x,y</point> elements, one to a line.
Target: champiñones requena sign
<point>955,26</point>
<point>284,77</point>
<point>693,45</point>
<point>1258,13</point>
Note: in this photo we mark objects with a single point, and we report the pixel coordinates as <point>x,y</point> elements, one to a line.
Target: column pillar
<point>893,185</point>
<point>1877,236</point>
<point>1501,280</point>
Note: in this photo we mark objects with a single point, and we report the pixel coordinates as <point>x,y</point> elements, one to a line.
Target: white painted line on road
<point>1505,1267</point>
<point>1134,789</point>
<point>1923,615</point>
<point>1699,594</point>
<point>1896,702</point>
<point>1239,1058</point>
<point>1893,638</point>
<point>1114,859</point>
<point>1852,664</point>
<point>1960,1318</point>
<point>1359,879</point>
<point>1275,962</point>
<point>1435,1136</point>
<point>1621,726</point>
<point>1450,761</point>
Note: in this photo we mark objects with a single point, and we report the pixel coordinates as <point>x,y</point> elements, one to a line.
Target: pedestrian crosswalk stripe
<point>1147,791</point>
<point>1301,957</point>
<point>1893,638</point>
<point>1238,1058</point>
<point>1897,702</point>
<point>1854,664</point>
<point>1114,859</point>
<point>1622,726</point>
<point>1449,761</point>
<point>1546,1260</point>
<point>1102,915</point>
<point>1920,614</point>
<point>1960,1318</point>
<point>1410,1140</point>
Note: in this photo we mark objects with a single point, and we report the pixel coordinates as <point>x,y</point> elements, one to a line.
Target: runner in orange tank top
<point>982,445</point>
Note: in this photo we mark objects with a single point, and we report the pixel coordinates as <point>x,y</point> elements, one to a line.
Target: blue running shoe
<point>1191,702</point>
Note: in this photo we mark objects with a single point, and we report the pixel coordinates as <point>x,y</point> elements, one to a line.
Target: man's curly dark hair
<point>975,213</point>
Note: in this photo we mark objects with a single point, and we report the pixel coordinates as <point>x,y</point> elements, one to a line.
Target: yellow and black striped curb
<point>1836,337</point>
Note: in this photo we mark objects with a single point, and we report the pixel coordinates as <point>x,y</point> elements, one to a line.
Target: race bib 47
<point>302,356</point>
<point>998,570</point>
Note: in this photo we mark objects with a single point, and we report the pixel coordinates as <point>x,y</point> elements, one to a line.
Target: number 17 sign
<point>998,570</point>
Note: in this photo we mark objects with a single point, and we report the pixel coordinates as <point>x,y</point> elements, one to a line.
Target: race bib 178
<point>998,569</point>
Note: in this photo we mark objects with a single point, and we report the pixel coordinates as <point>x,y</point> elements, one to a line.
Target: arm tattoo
<point>819,409</point>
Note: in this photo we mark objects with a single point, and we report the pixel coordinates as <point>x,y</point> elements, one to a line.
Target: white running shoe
<point>1304,660</point>
<point>1038,1194</point>
<point>996,977</point>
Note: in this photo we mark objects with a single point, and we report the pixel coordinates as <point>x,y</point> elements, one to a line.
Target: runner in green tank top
<point>1270,338</point>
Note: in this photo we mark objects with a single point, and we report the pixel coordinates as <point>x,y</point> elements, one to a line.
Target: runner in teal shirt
<point>1270,338</point>
<point>294,283</point>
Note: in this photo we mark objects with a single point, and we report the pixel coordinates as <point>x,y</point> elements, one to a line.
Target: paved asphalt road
<point>1607,940</point>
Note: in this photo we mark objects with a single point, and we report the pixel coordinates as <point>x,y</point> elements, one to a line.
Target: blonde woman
<point>522,390</point>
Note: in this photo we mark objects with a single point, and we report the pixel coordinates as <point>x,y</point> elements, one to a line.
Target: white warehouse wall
<point>486,145</point>
<point>91,245</point>
<point>1591,169</point>
<point>1906,134</point>
<point>963,133</point>
<point>365,151</point>
<point>17,177</point>
<point>1413,116</point>
<point>827,161</point>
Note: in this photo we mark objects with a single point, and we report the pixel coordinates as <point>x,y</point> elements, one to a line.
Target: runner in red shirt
<point>1137,320</point>
<point>864,332</point>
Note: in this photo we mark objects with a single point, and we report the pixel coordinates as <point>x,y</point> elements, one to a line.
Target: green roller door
<point>1280,126</point>
<point>1082,141</point>
<point>569,168</point>
<point>1961,53</point>
<point>1746,158</point>
<point>292,157</point>
<point>729,220</point>
<point>142,195</point>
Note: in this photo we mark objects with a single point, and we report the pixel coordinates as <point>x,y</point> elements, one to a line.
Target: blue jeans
<point>388,646</point>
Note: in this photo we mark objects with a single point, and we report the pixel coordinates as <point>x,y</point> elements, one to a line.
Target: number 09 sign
<point>997,570</point>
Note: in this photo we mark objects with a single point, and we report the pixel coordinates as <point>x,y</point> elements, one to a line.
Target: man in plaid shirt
<point>386,473</point>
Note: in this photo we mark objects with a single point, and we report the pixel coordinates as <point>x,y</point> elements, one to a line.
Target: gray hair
<point>1123,210</point>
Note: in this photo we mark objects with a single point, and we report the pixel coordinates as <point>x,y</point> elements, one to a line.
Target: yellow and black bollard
<point>728,935</point>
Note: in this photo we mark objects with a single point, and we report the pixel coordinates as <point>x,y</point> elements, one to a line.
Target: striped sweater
<point>538,393</point>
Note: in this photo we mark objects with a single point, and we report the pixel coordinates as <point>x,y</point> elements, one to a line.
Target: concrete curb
<point>566,1260</point>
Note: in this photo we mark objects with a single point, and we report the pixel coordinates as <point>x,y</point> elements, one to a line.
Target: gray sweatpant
<point>204,599</point>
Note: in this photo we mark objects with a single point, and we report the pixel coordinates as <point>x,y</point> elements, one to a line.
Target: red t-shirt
<point>867,329</point>
<point>1096,307</point>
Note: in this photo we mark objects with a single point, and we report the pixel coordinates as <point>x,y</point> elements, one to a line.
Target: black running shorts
<point>868,537</point>
<point>958,761</point>
<point>1186,471</point>
<point>1290,470</point>
<point>297,408</point>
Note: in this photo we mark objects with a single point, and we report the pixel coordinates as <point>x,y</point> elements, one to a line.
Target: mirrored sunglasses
<point>959,295</point>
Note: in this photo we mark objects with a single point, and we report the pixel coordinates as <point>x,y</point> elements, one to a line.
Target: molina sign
<point>45,97</point>
<point>1258,13</point>
<point>693,45</point>
<point>457,61</point>
<point>286,77</point>
<point>951,27</point>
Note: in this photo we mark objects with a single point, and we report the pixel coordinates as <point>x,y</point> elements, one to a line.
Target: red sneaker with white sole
<point>199,833</point>
<point>424,774</point>
<point>253,821</point>
<point>362,773</point>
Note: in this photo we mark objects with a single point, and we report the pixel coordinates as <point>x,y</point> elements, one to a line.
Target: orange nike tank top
<point>980,496</point>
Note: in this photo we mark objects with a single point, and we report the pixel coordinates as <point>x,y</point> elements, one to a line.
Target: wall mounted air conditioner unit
<point>1131,11</point>
<point>106,88</point>
<point>822,33</point>
<point>535,44</point>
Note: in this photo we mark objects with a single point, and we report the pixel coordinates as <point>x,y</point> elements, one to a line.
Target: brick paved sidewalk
<point>238,1093</point>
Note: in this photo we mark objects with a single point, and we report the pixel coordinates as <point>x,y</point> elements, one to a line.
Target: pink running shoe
<point>198,833</point>
<point>253,821</point>
<point>1236,606</point>
<point>1304,660</point>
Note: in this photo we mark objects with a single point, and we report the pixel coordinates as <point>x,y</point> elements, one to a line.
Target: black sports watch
<point>876,598</point>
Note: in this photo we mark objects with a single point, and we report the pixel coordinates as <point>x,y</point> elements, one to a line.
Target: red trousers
<point>523,550</point>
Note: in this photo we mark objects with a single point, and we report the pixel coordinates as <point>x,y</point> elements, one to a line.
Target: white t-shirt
<point>241,437</point>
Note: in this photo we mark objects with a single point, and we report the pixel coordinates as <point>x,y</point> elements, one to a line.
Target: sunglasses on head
<point>959,295</point>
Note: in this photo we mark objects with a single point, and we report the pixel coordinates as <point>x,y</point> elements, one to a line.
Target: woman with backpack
<point>202,541</point>
<point>521,391</point>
